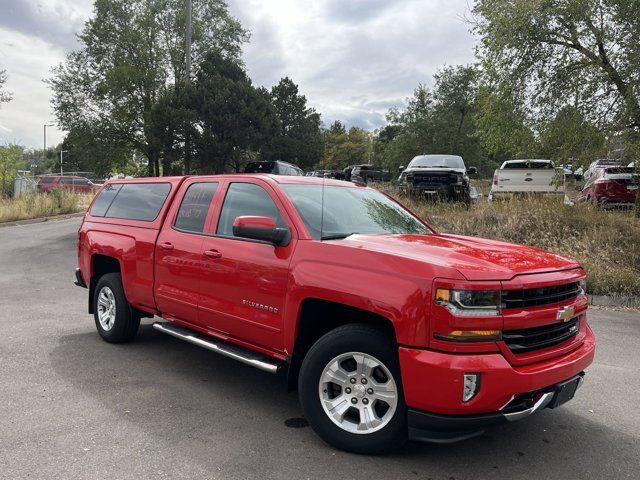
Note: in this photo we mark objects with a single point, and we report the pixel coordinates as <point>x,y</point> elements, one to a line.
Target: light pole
<point>61,152</point>
<point>44,150</point>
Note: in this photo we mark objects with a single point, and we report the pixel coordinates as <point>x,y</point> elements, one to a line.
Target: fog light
<point>471,386</point>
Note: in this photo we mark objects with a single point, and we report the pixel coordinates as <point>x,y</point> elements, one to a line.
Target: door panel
<point>179,252</point>
<point>243,288</point>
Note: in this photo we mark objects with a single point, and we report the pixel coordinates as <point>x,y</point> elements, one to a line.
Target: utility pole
<point>187,82</point>
<point>44,150</point>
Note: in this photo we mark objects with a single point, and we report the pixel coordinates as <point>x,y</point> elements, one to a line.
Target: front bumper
<point>432,383</point>
<point>434,428</point>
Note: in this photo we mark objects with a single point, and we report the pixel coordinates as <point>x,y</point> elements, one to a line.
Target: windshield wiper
<point>337,236</point>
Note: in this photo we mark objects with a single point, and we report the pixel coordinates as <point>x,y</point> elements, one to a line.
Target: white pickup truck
<point>524,176</point>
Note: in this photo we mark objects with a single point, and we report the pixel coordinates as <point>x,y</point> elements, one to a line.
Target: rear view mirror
<point>261,228</point>
<point>472,170</point>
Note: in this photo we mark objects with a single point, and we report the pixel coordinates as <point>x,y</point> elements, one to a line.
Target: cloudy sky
<point>353,59</point>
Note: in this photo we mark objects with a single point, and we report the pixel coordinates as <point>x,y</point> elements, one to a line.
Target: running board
<point>240,354</point>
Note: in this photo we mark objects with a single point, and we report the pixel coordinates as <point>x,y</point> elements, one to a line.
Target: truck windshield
<point>437,161</point>
<point>350,210</point>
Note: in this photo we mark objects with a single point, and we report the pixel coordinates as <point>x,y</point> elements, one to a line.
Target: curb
<point>614,301</point>
<point>29,221</point>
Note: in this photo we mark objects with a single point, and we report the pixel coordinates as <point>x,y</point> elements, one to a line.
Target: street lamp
<point>61,152</point>
<point>44,150</point>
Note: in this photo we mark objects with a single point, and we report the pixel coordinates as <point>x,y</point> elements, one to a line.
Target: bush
<point>36,205</point>
<point>606,243</point>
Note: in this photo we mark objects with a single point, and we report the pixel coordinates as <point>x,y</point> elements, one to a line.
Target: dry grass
<point>38,205</point>
<point>607,244</point>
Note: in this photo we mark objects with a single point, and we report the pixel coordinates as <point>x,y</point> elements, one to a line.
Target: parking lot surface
<point>73,406</point>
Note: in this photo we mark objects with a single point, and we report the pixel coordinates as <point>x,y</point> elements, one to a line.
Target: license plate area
<point>565,391</point>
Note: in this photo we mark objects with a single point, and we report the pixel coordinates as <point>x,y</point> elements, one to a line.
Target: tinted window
<point>195,206</point>
<point>103,202</point>
<point>244,199</point>
<point>528,166</point>
<point>46,179</point>
<point>139,201</point>
<point>350,210</point>
<point>260,167</point>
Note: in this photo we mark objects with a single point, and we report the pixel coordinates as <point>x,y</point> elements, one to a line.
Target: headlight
<point>469,303</point>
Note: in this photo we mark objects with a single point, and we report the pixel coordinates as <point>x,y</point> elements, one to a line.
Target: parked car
<point>578,173</point>
<point>388,329</point>
<point>590,172</point>
<point>611,187</point>
<point>46,183</point>
<point>275,168</point>
<point>368,174</point>
<point>524,177</point>
<point>443,176</point>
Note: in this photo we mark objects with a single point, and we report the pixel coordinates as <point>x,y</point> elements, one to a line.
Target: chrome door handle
<point>212,254</point>
<point>166,246</point>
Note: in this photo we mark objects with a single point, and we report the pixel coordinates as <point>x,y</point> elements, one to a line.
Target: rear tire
<point>369,413</point>
<point>116,320</point>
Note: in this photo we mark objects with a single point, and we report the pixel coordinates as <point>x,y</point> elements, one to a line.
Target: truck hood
<point>436,169</point>
<point>475,258</point>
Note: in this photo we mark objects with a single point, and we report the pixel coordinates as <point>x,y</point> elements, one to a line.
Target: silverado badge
<point>565,314</point>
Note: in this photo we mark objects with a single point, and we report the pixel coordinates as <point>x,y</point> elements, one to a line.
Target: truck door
<point>179,250</point>
<point>244,282</point>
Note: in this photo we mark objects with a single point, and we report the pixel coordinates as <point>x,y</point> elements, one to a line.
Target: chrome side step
<point>240,354</point>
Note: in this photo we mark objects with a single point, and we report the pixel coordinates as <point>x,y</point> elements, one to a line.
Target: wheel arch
<point>318,317</point>
<point>101,265</point>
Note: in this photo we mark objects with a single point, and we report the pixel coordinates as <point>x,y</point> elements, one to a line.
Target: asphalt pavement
<point>73,406</point>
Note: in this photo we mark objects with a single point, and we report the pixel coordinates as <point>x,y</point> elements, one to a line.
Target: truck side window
<point>195,206</point>
<point>246,199</point>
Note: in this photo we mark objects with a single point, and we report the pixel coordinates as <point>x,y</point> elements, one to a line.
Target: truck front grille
<point>532,297</point>
<point>529,339</point>
<point>435,179</point>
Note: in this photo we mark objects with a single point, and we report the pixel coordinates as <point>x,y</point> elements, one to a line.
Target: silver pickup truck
<point>524,176</point>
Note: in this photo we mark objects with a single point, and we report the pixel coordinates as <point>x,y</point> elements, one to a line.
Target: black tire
<point>127,320</point>
<point>352,338</point>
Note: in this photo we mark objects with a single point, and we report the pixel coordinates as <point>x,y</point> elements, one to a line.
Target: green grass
<point>606,243</point>
<point>37,205</point>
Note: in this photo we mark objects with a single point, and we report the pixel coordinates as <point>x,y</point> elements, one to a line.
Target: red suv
<point>75,184</point>
<point>611,187</point>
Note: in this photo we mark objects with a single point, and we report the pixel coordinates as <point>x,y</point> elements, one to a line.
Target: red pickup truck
<point>387,329</point>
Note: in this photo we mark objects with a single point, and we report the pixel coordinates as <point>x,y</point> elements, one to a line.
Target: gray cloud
<point>53,22</point>
<point>352,59</point>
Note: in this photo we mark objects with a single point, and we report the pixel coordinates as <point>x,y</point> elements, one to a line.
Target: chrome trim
<point>237,353</point>
<point>542,402</point>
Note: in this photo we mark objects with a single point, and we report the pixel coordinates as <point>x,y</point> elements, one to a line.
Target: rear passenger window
<point>195,206</point>
<point>134,201</point>
<point>103,202</point>
<point>246,199</point>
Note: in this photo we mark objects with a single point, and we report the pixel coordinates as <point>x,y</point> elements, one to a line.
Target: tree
<point>232,116</point>
<point>10,162</point>
<point>554,53</point>
<point>132,51</point>
<point>299,140</point>
<point>439,120</point>
<point>502,127</point>
<point>569,138</point>
<point>344,147</point>
<point>4,95</point>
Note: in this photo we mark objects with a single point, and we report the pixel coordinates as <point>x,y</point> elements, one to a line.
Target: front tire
<point>350,390</point>
<point>115,320</point>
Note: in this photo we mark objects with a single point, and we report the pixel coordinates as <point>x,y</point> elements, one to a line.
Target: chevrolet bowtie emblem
<point>565,314</point>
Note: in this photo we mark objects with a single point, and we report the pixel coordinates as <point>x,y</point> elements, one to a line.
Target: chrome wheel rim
<point>358,393</point>
<point>106,308</point>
